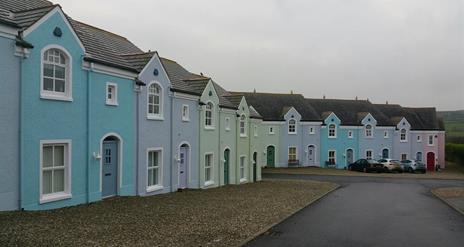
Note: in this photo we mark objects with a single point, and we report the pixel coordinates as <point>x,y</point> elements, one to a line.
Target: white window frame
<point>242,128</point>
<point>335,131</point>
<point>405,139</point>
<point>227,123</point>
<point>294,132</point>
<point>211,167</point>
<point>185,113</point>
<point>66,194</point>
<point>350,134</point>
<point>419,138</point>
<point>255,130</point>
<point>159,115</point>
<point>428,140</point>
<point>385,134</point>
<point>159,186</point>
<point>296,152</point>
<point>211,125</point>
<point>312,131</point>
<point>369,133</point>
<point>371,152</point>
<point>271,130</point>
<point>242,168</point>
<point>114,100</point>
<point>334,157</point>
<point>421,156</point>
<point>51,95</point>
<point>401,156</point>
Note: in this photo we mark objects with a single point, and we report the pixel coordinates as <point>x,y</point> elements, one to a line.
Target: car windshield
<point>395,161</point>
<point>406,161</point>
<point>371,161</point>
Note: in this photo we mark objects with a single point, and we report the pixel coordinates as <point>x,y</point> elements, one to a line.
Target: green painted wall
<point>266,139</point>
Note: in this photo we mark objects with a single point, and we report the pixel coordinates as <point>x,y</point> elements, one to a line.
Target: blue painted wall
<point>290,140</point>
<point>9,125</point>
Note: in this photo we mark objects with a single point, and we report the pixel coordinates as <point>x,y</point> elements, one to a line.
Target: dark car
<point>366,165</point>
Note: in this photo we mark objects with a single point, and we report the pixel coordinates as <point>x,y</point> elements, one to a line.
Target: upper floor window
<point>430,140</point>
<point>385,134</point>
<point>332,131</point>
<point>368,130</point>
<point>209,108</point>
<point>292,126</point>
<point>255,130</point>
<point>242,125</point>
<point>311,130</point>
<point>185,113</point>
<point>155,99</point>
<point>350,134</point>
<point>419,138</point>
<point>271,130</point>
<point>403,135</point>
<point>56,82</point>
<point>227,119</point>
<point>111,94</point>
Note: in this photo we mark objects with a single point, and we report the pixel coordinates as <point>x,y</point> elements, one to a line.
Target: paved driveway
<point>368,211</point>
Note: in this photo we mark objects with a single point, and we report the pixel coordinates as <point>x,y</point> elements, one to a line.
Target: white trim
<point>405,135</point>
<point>372,154</point>
<point>335,155</point>
<point>245,162</point>
<point>288,127</point>
<point>312,130</point>
<point>8,32</point>
<point>189,160</point>
<point>160,115</point>
<point>213,113</point>
<point>211,181</point>
<point>311,123</point>
<point>120,159</point>
<point>372,131</point>
<point>387,134</point>
<point>178,95</point>
<point>328,131</point>
<point>187,117</point>
<point>107,70</point>
<point>240,120</point>
<point>68,82</point>
<point>271,132</point>
<point>159,186</point>
<point>67,172</point>
<point>288,152</point>
<point>48,15</point>
<point>114,101</point>
<point>419,138</point>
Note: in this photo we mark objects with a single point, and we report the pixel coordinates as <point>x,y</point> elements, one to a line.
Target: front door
<point>110,169</point>
<point>183,166</point>
<point>226,166</point>
<point>349,156</point>
<point>311,155</point>
<point>255,164</point>
<point>271,156</point>
<point>430,161</point>
<point>385,154</point>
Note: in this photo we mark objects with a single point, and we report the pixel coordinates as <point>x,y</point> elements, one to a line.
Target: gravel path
<point>223,216</point>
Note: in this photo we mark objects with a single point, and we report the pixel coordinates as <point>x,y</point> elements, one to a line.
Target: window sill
<point>403,141</point>
<point>155,117</point>
<point>312,133</point>
<point>243,136</point>
<point>112,104</point>
<point>293,133</point>
<point>185,119</point>
<point>56,97</point>
<point>210,128</point>
<point>227,129</point>
<point>54,197</point>
<point>243,180</point>
<point>209,183</point>
<point>154,188</point>
<point>332,137</point>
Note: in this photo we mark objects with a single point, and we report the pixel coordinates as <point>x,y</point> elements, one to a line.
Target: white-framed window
<point>385,134</point>
<point>292,126</point>
<point>242,125</point>
<point>292,153</point>
<point>311,131</point>
<point>332,157</point>
<point>55,168</point>
<point>155,101</point>
<point>227,123</point>
<point>271,131</point>
<point>185,113</point>
<point>209,119</point>
<point>242,168</point>
<point>111,93</point>
<point>419,156</point>
<point>56,74</point>
<point>430,140</point>
<point>332,131</point>
<point>369,154</point>
<point>404,156</point>
<point>154,169</point>
<point>350,134</point>
<point>403,136</point>
<point>419,138</point>
<point>368,130</point>
<point>255,130</point>
<point>209,169</point>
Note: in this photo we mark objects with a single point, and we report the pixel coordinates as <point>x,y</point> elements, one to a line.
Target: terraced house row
<point>86,115</point>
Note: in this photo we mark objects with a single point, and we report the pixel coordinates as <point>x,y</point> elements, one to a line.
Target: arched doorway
<point>385,153</point>
<point>271,156</point>
<point>430,161</point>
<point>184,164</point>
<point>226,166</point>
<point>349,156</point>
<point>311,155</point>
<point>110,165</point>
<point>255,164</point>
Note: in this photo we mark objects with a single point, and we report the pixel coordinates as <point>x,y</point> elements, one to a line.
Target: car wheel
<point>365,169</point>
<point>386,169</point>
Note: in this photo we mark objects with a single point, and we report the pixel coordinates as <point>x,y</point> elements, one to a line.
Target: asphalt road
<point>367,211</point>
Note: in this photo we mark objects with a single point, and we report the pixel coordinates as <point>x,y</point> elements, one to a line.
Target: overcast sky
<point>407,52</point>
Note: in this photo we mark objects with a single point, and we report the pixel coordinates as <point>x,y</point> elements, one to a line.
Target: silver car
<point>413,166</point>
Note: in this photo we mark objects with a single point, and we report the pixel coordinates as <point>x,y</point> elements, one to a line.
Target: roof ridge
<point>36,8</point>
<point>137,53</point>
<point>286,94</point>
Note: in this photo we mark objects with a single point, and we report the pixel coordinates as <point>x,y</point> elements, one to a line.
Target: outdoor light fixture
<point>97,156</point>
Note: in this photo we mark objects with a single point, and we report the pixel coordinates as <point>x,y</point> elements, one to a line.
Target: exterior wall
<point>310,139</point>
<point>227,141</point>
<point>267,139</point>
<point>418,146</point>
<point>255,148</point>
<point>185,132</point>
<point>9,125</point>
<point>154,133</point>
<point>376,143</point>
<point>290,140</point>
<point>243,144</point>
<point>400,147</point>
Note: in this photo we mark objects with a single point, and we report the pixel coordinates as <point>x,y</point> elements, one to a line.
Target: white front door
<point>311,155</point>
<point>183,167</point>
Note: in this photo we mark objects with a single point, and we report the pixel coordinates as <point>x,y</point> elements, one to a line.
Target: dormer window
<point>209,107</point>
<point>155,101</point>
<point>56,80</point>
<point>242,126</point>
<point>368,130</point>
<point>332,131</point>
<point>430,142</point>
<point>292,126</point>
<point>403,135</point>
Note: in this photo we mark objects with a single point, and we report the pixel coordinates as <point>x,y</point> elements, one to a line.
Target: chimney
<point>201,73</point>
<point>386,103</point>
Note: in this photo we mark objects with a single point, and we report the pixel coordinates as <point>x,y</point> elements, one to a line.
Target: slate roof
<point>22,18</point>
<point>420,118</point>
<point>20,5</point>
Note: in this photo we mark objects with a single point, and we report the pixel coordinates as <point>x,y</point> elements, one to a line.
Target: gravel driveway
<point>223,216</point>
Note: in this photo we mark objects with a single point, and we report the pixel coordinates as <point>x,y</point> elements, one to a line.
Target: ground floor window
<point>368,154</point>
<point>55,166</point>
<point>242,167</point>
<point>292,153</point>
<point>332,158</point>
<point>155,162</point>
<point>208,167</point>
<point>404,156</point>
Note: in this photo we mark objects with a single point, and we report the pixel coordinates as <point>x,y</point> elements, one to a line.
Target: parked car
<point>413,166</point>
<point>391,165</point>
<point>366,165</point>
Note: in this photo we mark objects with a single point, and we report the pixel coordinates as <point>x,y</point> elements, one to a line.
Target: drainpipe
<point>170,140</point>
<point>20,133</point>
<point>237,157</point>
<point>89,158</point>
<point>219,148</point>
<point>137,141</point>
<point>199,145</point>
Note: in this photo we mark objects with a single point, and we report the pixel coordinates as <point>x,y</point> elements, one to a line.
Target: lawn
<point>452,171</point>
<point>224,216</point>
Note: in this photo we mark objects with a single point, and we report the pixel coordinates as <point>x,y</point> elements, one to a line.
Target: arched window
<point>55,74</point>
<point>155,100</point>
<point>403,135</point>
<point>242,125</point>
<point>209,108</point>
<point>292,126</point>
<point>332,131</point>
<point>368,130</point>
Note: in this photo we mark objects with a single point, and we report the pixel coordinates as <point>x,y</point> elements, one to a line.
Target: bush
<point>454,152</point>
<point>455,139</point>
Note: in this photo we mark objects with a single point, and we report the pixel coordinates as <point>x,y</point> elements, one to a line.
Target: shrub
<point>454,152</point>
